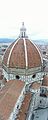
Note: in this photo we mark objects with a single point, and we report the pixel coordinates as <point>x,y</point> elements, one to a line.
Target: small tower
<point>23,31</point>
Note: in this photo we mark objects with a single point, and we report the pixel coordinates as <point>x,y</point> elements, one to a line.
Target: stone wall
<point>27,78</point>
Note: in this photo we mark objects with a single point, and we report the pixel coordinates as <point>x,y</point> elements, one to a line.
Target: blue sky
<point>34,13</point>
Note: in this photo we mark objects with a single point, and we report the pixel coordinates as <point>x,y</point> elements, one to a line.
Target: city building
<point>25,81</point>
<point>22,59</point>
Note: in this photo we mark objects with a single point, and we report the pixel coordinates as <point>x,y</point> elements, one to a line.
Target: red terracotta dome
<point>16,56</point>
<point>22,53</point>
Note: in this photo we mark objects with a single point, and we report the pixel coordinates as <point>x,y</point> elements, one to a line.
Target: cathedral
<point>26,87</point>
<point>22,60</point>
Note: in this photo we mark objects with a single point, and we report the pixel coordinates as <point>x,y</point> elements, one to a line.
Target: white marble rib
<point>11,52</point>
<point>26,59</point>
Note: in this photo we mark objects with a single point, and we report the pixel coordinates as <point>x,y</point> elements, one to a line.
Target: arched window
<point>34,75</point>
<point>17,77</point>
<point>22,34</point>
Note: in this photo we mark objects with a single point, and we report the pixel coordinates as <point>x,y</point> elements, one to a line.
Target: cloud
<point>33,12</point>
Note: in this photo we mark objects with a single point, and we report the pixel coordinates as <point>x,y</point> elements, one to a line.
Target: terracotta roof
<point>17,56</point>
<point>8,97</point>
<point>5,58</point>
<point>34,59</point>
<point>35,85</point>
<point>24,108</point>
<point>45,81</point>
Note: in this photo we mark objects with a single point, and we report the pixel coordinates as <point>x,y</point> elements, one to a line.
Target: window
<point>34,75</point>
<point>17,77</point>
<point>40,101</point>
<point>44,52</point>
<point>43,91</point>
<point>22,34</point>
<point>17,106</point>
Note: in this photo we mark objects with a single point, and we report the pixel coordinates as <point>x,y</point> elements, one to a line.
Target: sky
<point>34,13</point>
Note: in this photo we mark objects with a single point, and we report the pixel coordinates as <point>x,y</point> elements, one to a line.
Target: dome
<point>22,53</point>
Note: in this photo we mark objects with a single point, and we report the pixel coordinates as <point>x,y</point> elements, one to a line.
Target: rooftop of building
<point>45,80</point>
<point>35,85</point>
<point>8,97</point>
<point>24,108</point>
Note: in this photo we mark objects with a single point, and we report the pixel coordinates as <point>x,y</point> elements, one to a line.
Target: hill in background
<point>9,40</point>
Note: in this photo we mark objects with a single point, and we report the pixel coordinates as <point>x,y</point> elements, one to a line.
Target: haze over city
<point>34,13</point>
